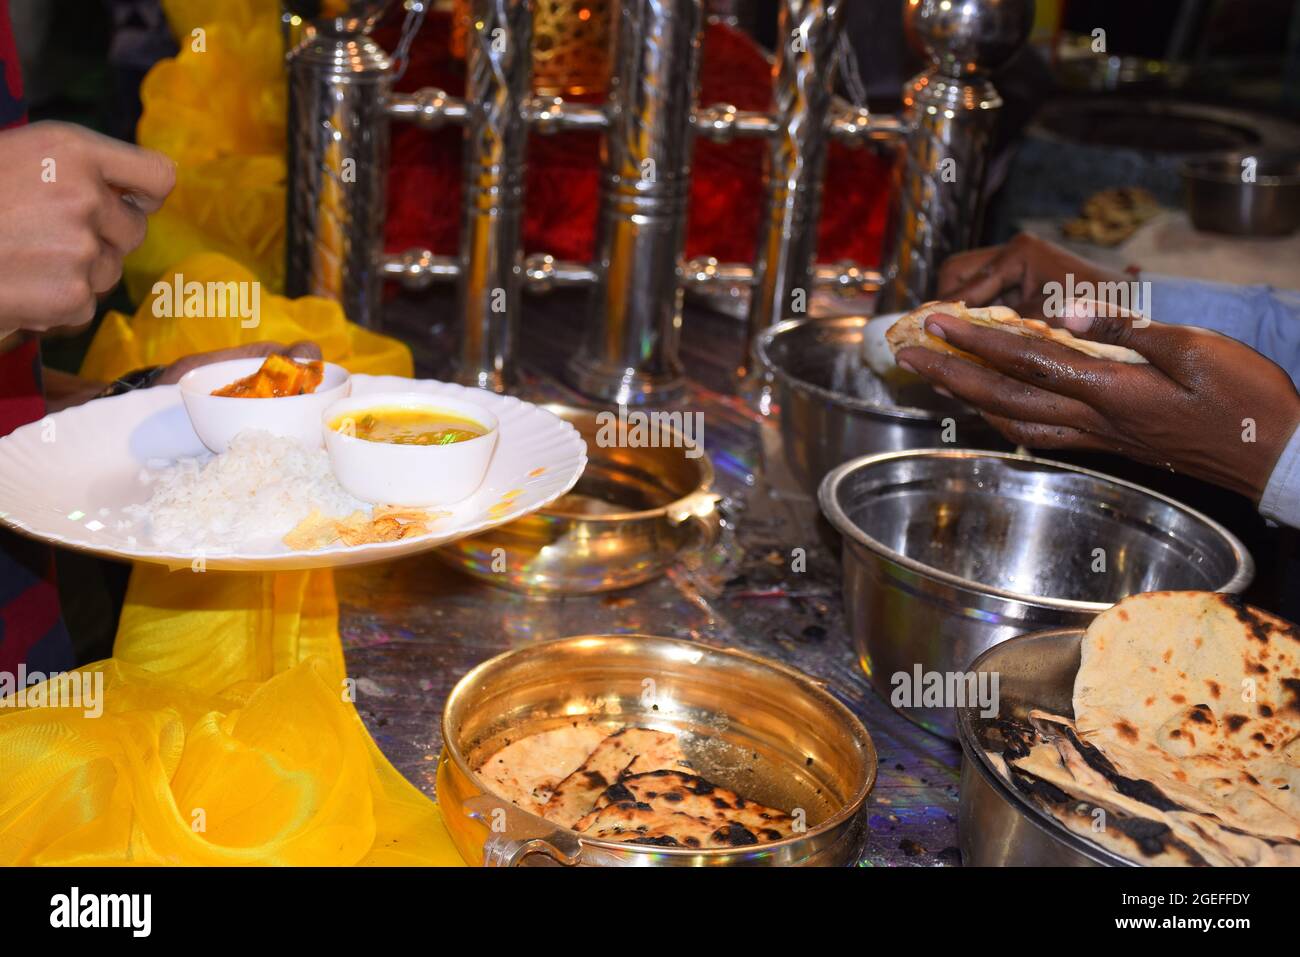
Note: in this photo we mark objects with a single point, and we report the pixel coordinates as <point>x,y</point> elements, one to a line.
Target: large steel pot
<point>948,552</point>
<point>833,408</point>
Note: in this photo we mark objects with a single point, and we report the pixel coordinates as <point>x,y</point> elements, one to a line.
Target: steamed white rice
<point>254,493</point>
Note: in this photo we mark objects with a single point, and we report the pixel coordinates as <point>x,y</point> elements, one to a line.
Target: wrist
<point>1280,497</point>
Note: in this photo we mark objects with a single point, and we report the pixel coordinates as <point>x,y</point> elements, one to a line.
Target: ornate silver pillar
<point>808,32</point>
<point>628,351</point>
<point>338,163</point>
<point>341,102</point>
<point>950,110</point>
<point>497,97</point>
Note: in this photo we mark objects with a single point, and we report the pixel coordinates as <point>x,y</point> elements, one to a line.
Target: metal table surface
<point>412,628</point>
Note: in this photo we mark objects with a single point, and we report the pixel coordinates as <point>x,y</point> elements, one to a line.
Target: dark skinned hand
<point>1016,273</point>
<point>1206,405</point>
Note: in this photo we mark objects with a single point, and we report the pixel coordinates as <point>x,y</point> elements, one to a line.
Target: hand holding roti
<point>1200,403</point>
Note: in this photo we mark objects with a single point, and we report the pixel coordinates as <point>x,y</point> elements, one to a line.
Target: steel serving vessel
<point>1243,194</point>
<point>997,826</point>
<point>748,723</point>
<point>833,407</point>
<point>635,511</point>
<point>948,552</point>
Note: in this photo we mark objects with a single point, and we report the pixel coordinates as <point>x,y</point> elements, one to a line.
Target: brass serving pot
<point>747,723</point>
<point>633,512</point>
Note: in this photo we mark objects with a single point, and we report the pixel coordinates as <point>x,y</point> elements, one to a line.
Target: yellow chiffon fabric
<point>228,735</point>
<point>218,108</point>
<point>123,343</point>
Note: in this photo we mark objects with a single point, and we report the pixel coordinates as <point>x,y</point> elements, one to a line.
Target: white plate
<point>68,478</point>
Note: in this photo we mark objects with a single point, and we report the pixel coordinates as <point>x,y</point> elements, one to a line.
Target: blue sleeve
<point>1281,498</point>
<point>1264,318</point>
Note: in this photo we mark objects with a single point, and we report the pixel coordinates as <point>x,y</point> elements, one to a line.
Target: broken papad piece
<point>910,331</point>
<point>385,523</point>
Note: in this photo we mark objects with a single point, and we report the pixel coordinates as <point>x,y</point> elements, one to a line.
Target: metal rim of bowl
<point>975,754</point>
<point>1270,133</point>
<point>827,499</point>
<point>839,398</point>
<point>703,486</point>
<point>807,684</point>
<point>1221,171</point>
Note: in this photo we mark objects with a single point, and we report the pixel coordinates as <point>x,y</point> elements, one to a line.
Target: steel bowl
<point>748,723</point>
<point>1222,199</point>
<point>997,826</point>
<point>948,552</point>
<point>632,514</point>
<point>833,408</point>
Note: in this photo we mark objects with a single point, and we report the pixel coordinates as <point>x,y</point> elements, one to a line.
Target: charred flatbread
<point>1166,838</point>
<point>1184,740</point>
<point>526,771</point>
<point>632,786</point>
<point>1200,695</point>
<point>576,794</point>
<point>694,796</point>
<point>632,821</point>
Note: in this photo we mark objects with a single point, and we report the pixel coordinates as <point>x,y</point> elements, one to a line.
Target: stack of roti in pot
<point>1184,747</point>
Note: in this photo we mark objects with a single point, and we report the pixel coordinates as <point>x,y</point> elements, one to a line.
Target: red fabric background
<point>12,110</point>
<point>31,630</point>
<point>561,198</point>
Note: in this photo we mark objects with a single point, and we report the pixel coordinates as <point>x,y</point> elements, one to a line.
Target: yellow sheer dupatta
<point>226,733</point>
<point>226,737</point>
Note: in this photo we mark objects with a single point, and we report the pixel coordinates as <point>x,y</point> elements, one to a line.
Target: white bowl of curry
<point>276,394</point>
<point>409,448</point>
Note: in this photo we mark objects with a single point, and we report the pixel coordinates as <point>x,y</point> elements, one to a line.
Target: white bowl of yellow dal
<point>409,448</point>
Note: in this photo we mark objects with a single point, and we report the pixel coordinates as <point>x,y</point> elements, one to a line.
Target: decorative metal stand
<point>949,113</point>
<point>340,97</point>
<point>338,164</point>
